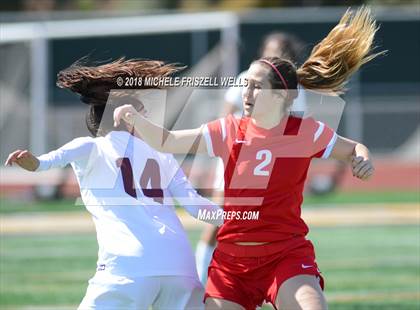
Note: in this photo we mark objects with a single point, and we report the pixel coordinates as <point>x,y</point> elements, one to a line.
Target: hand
<point>125,113</point>
<point>361,167</point>
<point>24,159</point>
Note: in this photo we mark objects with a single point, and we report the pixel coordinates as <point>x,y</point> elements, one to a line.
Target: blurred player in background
<point>266,155</point>
<point>275,44</point>
<point>144,258</point>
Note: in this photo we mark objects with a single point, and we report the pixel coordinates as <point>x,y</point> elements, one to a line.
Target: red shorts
<point>250,275</point>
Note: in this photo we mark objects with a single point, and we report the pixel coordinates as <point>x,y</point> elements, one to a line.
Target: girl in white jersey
<point>144,255</point>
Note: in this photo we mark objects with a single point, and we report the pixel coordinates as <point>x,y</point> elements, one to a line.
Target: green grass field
<point>365,267</point>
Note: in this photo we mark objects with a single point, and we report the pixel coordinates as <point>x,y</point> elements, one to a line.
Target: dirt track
<point>344,215</point>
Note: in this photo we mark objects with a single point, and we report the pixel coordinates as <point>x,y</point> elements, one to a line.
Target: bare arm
<point>77,150</point>
<point>161,139</point>
<point>355,154</point>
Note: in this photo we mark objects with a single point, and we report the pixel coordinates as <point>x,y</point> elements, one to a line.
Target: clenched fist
<point>361,167</point>
<point>126,113</point>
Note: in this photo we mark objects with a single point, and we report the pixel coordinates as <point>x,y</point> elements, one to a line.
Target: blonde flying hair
<point>341,53</point>
<point>346,48</point>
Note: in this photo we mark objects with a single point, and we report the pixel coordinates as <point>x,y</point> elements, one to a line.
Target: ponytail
<point>345,49</point>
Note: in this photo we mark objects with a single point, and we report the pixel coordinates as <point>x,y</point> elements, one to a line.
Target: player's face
<point>257,97</point>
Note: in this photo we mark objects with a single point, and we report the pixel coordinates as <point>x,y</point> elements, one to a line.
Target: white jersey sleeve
<point>183,192</point>
<point>76,150</point>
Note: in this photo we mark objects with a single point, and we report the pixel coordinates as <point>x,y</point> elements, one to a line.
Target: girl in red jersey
<point>266,155</point>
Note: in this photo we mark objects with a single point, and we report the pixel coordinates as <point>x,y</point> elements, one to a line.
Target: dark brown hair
<point>94,84</point>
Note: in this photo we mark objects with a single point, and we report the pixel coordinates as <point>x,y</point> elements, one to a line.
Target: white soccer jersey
<point>128,187</point>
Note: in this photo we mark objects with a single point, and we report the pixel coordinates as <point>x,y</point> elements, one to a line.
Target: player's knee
<point>301,292</point>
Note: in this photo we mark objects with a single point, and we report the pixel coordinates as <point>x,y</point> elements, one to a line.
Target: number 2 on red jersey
<point>265,156</point>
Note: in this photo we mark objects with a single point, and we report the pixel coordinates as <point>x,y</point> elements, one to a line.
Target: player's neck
<point>269,120</point>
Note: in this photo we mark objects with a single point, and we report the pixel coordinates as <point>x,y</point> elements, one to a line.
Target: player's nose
<point>246,94</point>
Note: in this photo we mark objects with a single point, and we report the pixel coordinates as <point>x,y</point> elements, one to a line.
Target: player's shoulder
<point>232,120</point>
<point>218,124</point>
<point>223,129</point>
<point>298,125</point>
<point>308,122</point>
<point>116,134</point>
<point>312,128</point>
<point>229,123</point>
<point>86,140</point>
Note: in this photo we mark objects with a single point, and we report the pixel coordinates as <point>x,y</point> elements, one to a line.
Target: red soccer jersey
<point>265,171</point>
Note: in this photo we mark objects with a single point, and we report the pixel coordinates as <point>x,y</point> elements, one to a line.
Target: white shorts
<point>106,291</point>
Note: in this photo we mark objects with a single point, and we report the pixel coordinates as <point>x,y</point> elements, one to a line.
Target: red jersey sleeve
<point>215,136</point>
<point>324,139</point>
